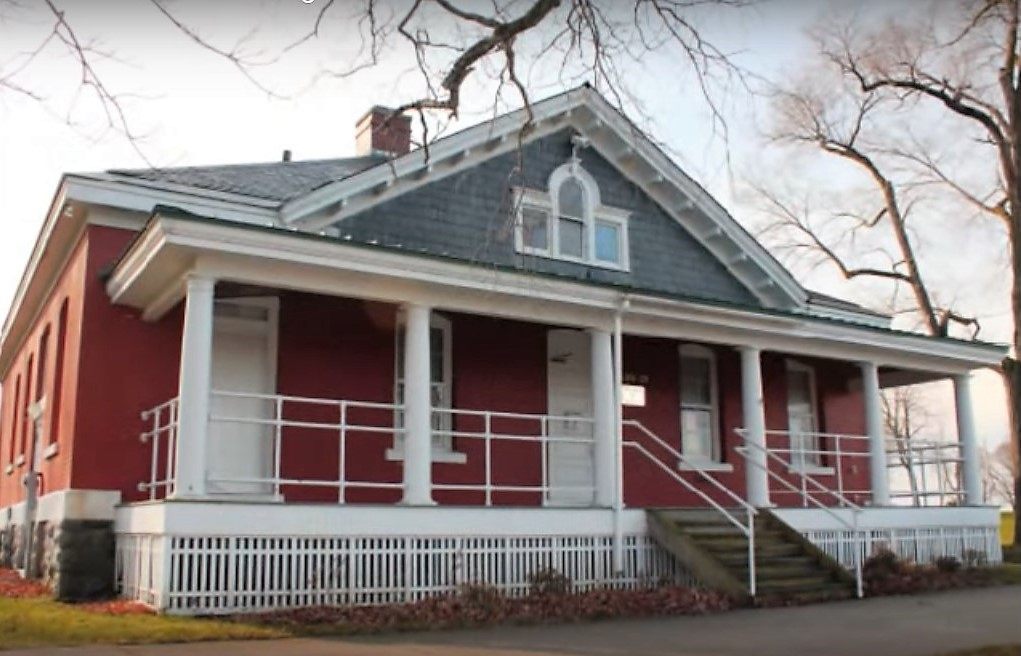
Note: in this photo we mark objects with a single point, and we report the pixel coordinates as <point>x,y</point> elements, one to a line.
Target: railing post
<point>341,455</point>
<point>878,474</point>
<point>174,429</point>
<point>840,466</point>
<point>544,457</point>
<point>752,576</point>
<point>278,444</point>
<point>154,467</point>
<point>753,408</point>
<point>489,458</point>
<point>194,388</point>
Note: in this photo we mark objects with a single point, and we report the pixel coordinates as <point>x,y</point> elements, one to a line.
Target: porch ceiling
<point>150,276</point>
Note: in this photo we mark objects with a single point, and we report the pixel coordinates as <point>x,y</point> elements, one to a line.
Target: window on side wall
<point>700,434</point>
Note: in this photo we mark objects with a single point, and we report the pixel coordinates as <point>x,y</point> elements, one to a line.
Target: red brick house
<point>373,378</point>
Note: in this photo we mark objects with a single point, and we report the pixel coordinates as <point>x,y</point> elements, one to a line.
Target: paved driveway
<point>892,626</point>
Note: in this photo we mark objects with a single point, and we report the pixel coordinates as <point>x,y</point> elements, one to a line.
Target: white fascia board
<point>667,170</point>
<point>805,336</point>
<point>286,260</point>
<point>40,274</point>
<point>139,197</point>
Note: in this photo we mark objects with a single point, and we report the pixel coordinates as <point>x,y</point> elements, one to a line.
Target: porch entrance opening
<point>569,389</point>
<point>244,357</point>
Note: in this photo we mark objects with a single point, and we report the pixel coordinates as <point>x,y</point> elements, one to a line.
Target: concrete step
<point>813,581</point>
<point>763,548</point>
<point>771,569</point>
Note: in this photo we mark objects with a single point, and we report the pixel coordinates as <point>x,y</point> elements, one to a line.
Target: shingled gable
<point>613,137</point>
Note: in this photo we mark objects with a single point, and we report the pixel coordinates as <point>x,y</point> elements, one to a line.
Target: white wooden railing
<point>810,489</point>
<point>161,435</point>
<point>733,515</point>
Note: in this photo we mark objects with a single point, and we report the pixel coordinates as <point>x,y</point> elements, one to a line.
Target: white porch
<point>209,538</point>
<point>207,557</point>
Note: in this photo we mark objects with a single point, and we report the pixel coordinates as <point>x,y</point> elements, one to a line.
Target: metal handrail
<point>164,422</point>
<point>543,435</point>
<point>750,511</point>
<point>855,508</point>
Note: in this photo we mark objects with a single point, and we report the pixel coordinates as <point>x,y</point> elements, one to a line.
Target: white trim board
<point>280,259</point>
<point>97,505</point>
<point>227,518</point>
<point>891,517</point>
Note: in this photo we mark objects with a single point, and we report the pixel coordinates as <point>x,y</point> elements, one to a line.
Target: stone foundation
<point>75,558</point>
<point>82,560</point>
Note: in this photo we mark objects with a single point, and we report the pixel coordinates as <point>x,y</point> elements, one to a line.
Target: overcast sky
<point>194,108</point>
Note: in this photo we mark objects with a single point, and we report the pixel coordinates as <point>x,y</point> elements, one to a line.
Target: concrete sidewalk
<point>892,626</point>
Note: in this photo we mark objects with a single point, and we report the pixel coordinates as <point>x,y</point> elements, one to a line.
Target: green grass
<point>1007,573</point>
<point>43,622</point>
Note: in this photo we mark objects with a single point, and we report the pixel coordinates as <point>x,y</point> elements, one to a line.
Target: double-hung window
<point>700,425</point>
<point>568,221</point>
<point>440,385</point>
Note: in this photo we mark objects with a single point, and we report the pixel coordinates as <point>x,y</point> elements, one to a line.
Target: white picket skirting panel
<point>921,545</point>
<point>214,575</point>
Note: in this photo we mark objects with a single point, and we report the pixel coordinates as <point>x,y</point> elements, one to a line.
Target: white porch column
<point>753,408</point>
<point>971,468</point>
<point>879,476</point>
<point>194,388</point>
<point>417,407</point>
<point>604,418</point>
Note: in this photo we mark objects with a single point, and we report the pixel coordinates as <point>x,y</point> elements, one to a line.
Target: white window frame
<point>714,462</point>
<point>595,213</point>
<point>442,445</point>
<point>806,466</point>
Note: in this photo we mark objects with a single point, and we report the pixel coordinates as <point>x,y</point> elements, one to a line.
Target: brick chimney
<point>375,135</point>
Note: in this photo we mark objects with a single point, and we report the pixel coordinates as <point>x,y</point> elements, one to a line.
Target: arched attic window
<point>569,221</point>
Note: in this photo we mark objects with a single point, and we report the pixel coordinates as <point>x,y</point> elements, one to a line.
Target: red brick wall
<point>126,366</point>
<point>57,424</point>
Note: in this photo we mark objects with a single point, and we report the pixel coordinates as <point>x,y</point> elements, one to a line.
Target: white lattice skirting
<point>210,575</point>
<point>979,544</point>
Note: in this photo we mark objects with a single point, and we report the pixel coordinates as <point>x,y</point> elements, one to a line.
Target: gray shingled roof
<point>274,181</point>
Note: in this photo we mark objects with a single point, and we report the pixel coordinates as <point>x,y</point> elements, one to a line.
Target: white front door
<point>244,353</point>
<point>801,416</point>
<point>571,473</point>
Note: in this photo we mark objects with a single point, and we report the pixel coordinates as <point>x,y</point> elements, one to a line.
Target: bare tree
<point>926,107</point>
<point>905,417</point>
<point>450,43</point>
<point>999,469</point>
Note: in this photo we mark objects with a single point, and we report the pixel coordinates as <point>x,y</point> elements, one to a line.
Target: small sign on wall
<point>632,396</point>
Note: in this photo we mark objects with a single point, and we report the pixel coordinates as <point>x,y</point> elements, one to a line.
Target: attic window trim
<point>596,214</point>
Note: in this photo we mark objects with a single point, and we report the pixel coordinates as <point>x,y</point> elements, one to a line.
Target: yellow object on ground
<point>1007,528</point>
